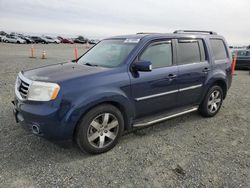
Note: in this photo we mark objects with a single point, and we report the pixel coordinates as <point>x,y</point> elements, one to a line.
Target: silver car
<point>13,39</point>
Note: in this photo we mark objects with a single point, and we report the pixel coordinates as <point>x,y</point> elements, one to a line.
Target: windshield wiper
<point>90,64</point>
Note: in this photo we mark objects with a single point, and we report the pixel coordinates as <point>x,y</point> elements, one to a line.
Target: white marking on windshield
<point>131,40</point>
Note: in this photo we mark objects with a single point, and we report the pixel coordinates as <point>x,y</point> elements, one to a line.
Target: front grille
<point>22,86</point>
<point>23,89</point>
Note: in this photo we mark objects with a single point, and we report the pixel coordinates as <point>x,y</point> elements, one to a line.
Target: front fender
<point>98,96</point>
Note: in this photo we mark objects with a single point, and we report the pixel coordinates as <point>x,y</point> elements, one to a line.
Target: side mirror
<point>143,66</point>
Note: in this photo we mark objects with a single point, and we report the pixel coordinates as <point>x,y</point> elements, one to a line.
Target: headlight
<point>43,91</point>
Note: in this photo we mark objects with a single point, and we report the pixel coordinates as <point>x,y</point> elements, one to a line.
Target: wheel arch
<point>218,81</point>
<point>124,107</point>
<point>223,86</point>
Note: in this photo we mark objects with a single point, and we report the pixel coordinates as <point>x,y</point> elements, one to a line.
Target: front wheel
<point>212,102</point>
<point>100,129</point>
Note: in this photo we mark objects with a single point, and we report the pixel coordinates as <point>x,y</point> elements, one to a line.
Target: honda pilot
<point>123,83</point>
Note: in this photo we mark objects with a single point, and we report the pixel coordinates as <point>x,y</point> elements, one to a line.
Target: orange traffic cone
<point>76,53</point>
<point>234,63</point>
<point>32,52</point>
<point>43,55</point>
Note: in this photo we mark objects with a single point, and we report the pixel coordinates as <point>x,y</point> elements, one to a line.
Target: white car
<point>13,39</point>
<point>50,39</point>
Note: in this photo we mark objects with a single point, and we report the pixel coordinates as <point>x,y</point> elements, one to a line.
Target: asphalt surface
<point>189,151</point>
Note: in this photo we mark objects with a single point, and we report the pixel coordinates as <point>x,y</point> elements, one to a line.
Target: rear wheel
<point>212,102</point>
<point>100,129</point>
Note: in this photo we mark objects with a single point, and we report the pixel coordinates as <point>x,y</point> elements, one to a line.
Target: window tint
<point>218,49</point>
<point>190,51</point>
<point>159,54</point>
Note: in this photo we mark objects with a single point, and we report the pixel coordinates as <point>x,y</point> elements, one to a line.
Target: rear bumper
<point>42,120</point>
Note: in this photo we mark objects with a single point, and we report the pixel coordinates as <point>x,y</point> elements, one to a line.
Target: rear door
<point>193,70</point>
<point>155,91</point>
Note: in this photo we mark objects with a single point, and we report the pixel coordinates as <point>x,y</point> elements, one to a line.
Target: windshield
<point>108,53</point>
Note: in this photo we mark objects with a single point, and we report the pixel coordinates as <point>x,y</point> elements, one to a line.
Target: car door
<point>155,91</point>
<point>193,70</point>
<point>12,39</point>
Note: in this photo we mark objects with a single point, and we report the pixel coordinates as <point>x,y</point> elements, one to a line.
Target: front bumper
<point>42,119</point>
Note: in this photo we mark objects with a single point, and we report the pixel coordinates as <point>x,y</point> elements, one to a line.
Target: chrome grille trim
<point>22,86</point>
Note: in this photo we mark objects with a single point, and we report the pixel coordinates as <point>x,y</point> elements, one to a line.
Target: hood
<point>60,72</point>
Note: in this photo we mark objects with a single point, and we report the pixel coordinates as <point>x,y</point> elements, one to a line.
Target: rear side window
<point>219,49</point>
<point>159,54</point>
<point>190,51</point>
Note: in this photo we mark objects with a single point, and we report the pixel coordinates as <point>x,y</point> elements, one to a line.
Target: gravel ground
<point>189,151</point>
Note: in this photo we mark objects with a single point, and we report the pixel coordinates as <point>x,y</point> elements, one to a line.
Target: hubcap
<point>214,101</point>
<point>103,130</point>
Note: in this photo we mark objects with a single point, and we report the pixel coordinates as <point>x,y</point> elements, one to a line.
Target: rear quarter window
<point>218,49</point>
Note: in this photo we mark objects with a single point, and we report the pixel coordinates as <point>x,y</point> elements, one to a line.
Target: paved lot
<point>188,151</point>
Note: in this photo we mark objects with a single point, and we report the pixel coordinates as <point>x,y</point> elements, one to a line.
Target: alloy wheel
<point>214,101</point>
<point>103,130</point>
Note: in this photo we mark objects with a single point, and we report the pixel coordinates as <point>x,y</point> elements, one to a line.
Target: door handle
<point>171,76</point>
<point>206,70</point>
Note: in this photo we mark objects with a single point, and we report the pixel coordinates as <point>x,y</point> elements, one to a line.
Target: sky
<point>104,18</point>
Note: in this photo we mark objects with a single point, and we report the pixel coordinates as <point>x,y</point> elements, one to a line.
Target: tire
<point>18,42</point>
<point>212,102</point>
<point>100,129</point>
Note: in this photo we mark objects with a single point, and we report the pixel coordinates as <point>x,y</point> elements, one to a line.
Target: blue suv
<point>123,83</point>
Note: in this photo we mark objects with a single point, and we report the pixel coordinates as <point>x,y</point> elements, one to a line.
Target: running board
<point>165,118</point>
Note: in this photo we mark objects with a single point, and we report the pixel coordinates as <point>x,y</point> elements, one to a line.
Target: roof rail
<point>195,31</point>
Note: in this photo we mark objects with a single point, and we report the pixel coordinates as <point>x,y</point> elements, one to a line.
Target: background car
<point>81,40</point>
<point>38,40</point>
<point>13,39</point>
<point>55,40</point>
<point>93,41</point>
<point>50,39</point>
<point>243,60</point>
<point>27,39</point>
<point>3,33</point>
<point>64,40</point>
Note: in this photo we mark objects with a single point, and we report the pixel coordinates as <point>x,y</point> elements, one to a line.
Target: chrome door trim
<point>169,92</point>
<point>156,95</point>
<point>191,87</point>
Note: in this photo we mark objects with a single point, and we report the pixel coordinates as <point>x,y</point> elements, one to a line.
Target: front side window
<point>159,54</point>
<point>190,51</point>
<point>108,53</point>
<point>219,49</point>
